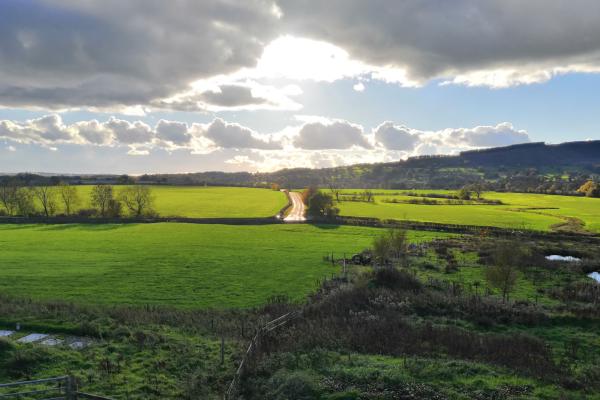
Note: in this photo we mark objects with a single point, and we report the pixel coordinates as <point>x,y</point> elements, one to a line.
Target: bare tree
<point>69,197</point>
<point>503,274</point>
<point>24,202</point>
<point>138,199</point>
<point>102,196</point>
<point>8,196</point>
<point>46,195</point>
<point>334,190</point>
<point>391,247</point>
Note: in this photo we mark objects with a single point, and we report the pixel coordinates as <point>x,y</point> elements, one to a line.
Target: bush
<point>5,345</point>
<point>393,278</point>
<point>22,362</point>
<point>344,396</point>
<point>298,385</point>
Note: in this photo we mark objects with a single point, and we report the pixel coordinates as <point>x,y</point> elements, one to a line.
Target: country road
<point>298,209</point>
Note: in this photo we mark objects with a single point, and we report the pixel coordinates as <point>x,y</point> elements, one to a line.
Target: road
<point>298,208</point>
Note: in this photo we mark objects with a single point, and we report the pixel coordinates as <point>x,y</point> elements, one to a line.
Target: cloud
<point>50,131</point>
<point>494,43</point>
<point>68,53</point>
<point>503,134</point>
<point>127,55</point>
<point>173,131</point>
<point>130,132</point>
<point>316,142</point>
<point>236,136</point>
<point>330,135</point>
<point>359,87</point>
<point>447,141</point>
<point>226,93</point>
<point>396,137</point>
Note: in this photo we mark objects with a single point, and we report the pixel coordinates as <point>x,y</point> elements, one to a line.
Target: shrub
<point>22,362</point>
<point>393,278</point>
<point>298,385</point>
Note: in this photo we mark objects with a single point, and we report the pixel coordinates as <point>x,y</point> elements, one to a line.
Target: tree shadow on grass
<point>84,227</point>
<point>325,226</point>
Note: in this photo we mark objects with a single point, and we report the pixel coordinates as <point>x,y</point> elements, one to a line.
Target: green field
<point>206,202</point>
<point>530,211</point>
<point>184,265</point>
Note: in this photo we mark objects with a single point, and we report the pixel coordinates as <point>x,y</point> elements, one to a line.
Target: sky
<point>152,86</point>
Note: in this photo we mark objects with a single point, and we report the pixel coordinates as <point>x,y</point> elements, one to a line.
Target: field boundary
<point>84,220</point>
<point>460,229</point>
<point>340,220</point>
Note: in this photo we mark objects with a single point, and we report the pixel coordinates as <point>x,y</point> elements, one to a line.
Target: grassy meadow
<point>204,202</point>
<point>183,265</point>
<point>519,210</point>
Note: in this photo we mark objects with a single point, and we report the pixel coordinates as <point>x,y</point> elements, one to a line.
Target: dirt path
<point>298,208</point>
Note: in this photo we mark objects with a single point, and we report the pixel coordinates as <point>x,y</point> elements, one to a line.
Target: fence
<point>60,388</point>
<point>254,346</point>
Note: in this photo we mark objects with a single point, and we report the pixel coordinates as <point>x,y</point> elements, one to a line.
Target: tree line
<point>46,200</point>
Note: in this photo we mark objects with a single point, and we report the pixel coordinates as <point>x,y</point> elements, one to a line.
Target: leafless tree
<point>503,274</point>
<point>138,199</point>
<point>24,202</point>
<point>102,196</point>
<point>46,195</point>
<point>8,196</point>
<point>69,197</point>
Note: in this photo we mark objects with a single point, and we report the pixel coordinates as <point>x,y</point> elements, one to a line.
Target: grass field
<point>531,211</point>
<point>206,202</point>
<point>184,265</point>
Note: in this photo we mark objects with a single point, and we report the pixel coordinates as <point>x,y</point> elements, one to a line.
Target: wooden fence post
<point>70,391</point>
<point>222,350</point>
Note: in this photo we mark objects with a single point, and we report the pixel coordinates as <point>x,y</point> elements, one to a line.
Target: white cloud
<point>447,141</point>
<point>359,87</point>
<point>396,137</point>
<point>331,135</point>
<point>315,142</point>
<point>174,132</point>
<point>236,136</point>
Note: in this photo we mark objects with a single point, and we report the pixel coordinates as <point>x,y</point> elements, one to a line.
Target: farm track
<point>298,208</point>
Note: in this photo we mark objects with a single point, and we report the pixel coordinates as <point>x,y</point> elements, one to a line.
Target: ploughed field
<point>518,210</point>
<point>183,265</point>
<point>205,202</point>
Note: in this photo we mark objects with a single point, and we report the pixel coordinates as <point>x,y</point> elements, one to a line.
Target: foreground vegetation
<point>432,329</point>
<point>426,322</point>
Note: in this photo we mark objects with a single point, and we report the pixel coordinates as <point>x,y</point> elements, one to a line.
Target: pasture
<point>182,265</point>
<point>204,202</point>
<point>519,210</point>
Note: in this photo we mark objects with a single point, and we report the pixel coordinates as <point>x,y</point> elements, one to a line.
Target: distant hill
<point>530,167</point>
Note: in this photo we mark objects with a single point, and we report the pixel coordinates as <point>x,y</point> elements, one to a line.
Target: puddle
<point>556,257</point>
<point>6,333</point>
<point>34,337</point>
<point>595,276</point>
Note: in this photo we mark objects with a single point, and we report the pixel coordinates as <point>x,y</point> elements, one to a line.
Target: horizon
<point>267,85</point>
<point>50,173</point>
